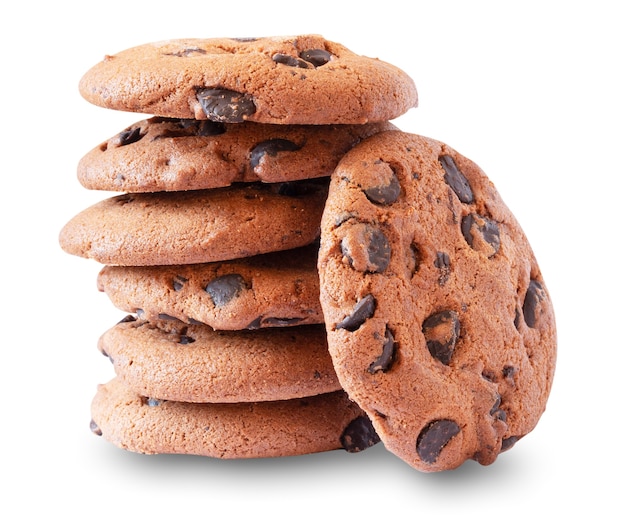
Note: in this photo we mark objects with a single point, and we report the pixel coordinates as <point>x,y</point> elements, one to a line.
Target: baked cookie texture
<point>231,430</point>
<point>303,79</point>
<point>164,154</point>
<point>440,325</point>
<point>300,274</point>
<point>191,362</point>
<point>150,229</point>
<point>268,290</point>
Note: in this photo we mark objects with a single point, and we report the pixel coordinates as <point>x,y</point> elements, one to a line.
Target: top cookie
<point>439,322</point>
<point>275,80</point>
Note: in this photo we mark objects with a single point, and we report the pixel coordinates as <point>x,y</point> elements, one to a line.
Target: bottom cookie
<point>229,431</point>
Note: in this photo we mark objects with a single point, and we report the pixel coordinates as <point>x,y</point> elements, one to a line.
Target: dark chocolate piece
<point>362,311</point>
<point>270,147</point>
<point>387,194</point>
<point>317,57</point>
<point>291,61</point>
<point>486,228</point>
<point>224,105</point>
<point>442,331</point>
<point>507,443</point>
<point>359,435</point>
<point>387,357</point>
<point>178,283</point>
<point>535,295</point>
<point>366,248</point>
<point>456,180</point>
<point>442,263</point>
<point>129,136</point>
<point>225,288</point>
<point>434,437</point>
<point>93,426</point>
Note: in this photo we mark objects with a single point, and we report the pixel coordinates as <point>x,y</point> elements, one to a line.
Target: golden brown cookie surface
<point>139,229</point>
<point>440,325</point>
<point>268,290</point>
<point>160,154</point>
<point>229,431</point>
<point>303,79</point>
<point>194,363</point>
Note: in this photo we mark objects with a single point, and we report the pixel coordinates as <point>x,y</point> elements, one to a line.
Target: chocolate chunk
<point>152,401</point>
<point>387,194</point>
<point>274,322</point>
<point>317,57</point>
<point>442,331</point>
<point>366,248</point>
<point>210,128</point>
<point>225,288</point>
<point>270,147</point>
<point>517,320</point>
<point>507,443</point>
<point>362,311</point>
<point>434,437</point>
<point>190,128</point>
<point>481,233</point>
<point>532,308</point>
<point>124,198</point>
<point>442,263</point>
<point>359,435</point>
<point>93,426</point>
<point>186,339</point>
<point>167,317</point>
<point>281,321</point>
<point>496,412</point>
<point>129,136</point>
<point>288,60</point>
<point>297,188</point>
<point>188,51</point>
<point>509,371</point>
<point>456,180</point>
<point>127,319</point>
<point>224,105</point>
<point>387,357</point>
<point>255,324</point>
<point>415,258</point>
<point>178,283</point>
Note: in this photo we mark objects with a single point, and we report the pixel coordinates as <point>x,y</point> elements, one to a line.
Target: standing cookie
<point>439,322</point>
<point>149,229</point>
<point>302,79</point>
<point>161,154</point>
<point>229,430</point>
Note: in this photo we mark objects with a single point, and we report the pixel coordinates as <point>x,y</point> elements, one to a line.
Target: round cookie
<point>439,322</point>
<point>229,431</point>
<point>193,363</point>
<point>268,290</point>
<point>161,154</point>
<point>149,229</point>
<point>302,79</point>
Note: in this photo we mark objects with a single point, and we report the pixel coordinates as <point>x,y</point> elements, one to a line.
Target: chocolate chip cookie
<point>149,229</point>
<point>229,430</point>
<point>303,79</point>
<point>440,325</point>
<point>270,290</point>
<point>194,363</point>
<point>161,154</point>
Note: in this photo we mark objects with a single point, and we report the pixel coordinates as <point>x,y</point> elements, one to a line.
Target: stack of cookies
<point>299,274</point>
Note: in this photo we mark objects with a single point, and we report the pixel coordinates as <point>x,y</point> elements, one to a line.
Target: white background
<point>533,92</point>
